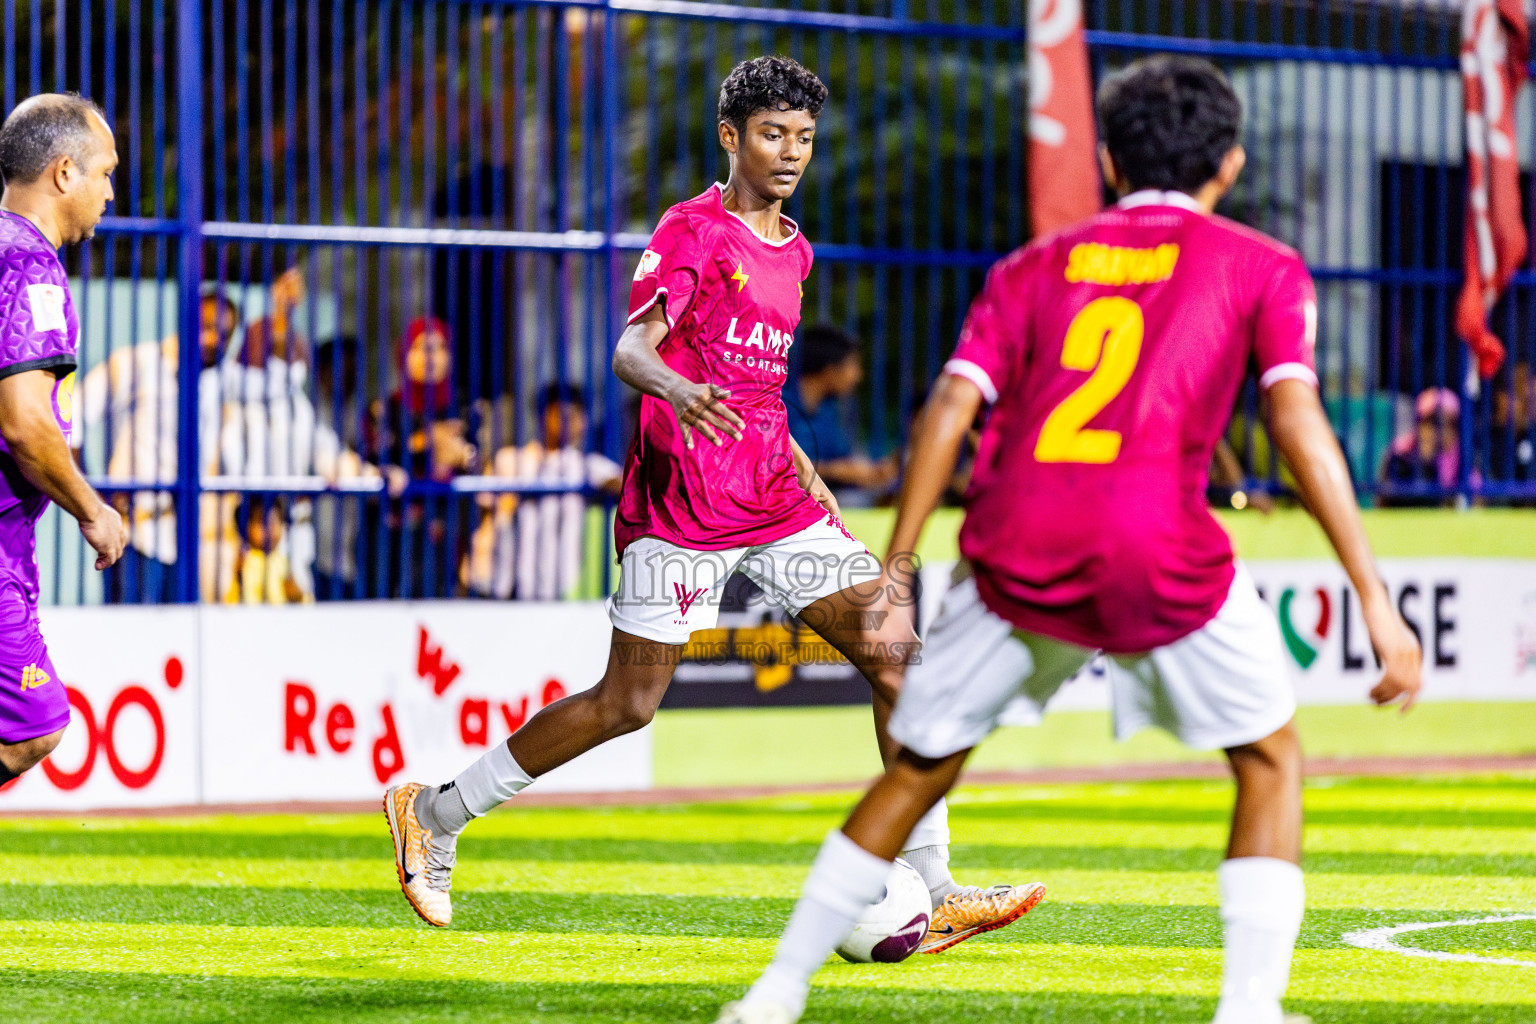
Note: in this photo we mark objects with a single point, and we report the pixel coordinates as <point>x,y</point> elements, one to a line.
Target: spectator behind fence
<point>1512,437</point>
<point>421,433</point>
<point>532,545</point>
<point>830,372</point>
<point>339,416</point>
<point>263,571</point>
<point>1428,455</point>
<point>269,428</point>
<point>135,392</point>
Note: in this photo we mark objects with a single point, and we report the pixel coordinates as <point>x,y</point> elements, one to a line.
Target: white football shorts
<point>1221,686</point>
<point>666,592</point>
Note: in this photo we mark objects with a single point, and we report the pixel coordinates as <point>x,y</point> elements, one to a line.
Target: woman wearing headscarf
<point>420,433</point>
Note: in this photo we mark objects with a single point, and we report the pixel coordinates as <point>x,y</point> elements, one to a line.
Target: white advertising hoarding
<point>1476,619</point>
<point>133,738</point>
<point>175,706</point>
<point>334,702</point>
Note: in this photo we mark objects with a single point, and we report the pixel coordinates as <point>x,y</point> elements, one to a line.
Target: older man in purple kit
<point>57,156</point>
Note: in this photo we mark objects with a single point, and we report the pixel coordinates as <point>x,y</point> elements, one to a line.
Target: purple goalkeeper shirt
<point>38,331</point>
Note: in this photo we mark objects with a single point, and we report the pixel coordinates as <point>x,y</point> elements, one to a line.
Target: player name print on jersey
<point>1094,263</point>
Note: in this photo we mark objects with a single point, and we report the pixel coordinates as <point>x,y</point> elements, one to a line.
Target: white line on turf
<point>1382,939</point>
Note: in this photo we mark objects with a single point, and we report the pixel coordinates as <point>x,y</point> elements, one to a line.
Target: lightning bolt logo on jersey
<point>731,302</point>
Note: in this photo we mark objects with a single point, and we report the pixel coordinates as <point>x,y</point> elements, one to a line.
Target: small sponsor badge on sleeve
<point>47,302</point>
<point>649,261</point>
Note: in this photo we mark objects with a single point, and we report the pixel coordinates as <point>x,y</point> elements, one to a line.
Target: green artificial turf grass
<point>654,914</point>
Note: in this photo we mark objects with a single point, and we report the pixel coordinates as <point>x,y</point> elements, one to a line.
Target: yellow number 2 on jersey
<point>1105,338</point>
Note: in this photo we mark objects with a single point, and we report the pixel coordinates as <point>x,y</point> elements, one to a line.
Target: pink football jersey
<point>1111,354</point>
<point>732,302</point>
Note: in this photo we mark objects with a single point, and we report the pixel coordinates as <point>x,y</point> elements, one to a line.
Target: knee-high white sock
<point>927,850</point>
<point>845,879</point>
<point>491,781</point>
<point>1261,905</point>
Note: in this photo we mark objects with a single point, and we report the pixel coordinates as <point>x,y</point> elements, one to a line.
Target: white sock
<point>932,829</point>
<point>932,862</point>
<point>1261,905</point>
<point>927,850</point>
<point>845,879</point>
<point>441,811</point>
<point>491,781</point>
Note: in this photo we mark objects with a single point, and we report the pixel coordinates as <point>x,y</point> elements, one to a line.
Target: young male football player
<point>57,156</point>
<point>1108,356</point>
<point>713,484</point>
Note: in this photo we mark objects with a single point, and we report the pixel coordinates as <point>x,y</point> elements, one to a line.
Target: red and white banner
<point>1495,46</point>
<point>133,738</point>
<point>338,701</point>
<point>175,706</point>
<point>179,706</point>
<point>1064,181</point>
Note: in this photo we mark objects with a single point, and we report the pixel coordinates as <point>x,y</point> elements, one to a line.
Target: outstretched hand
<point>1401,658</point>
<point>106,535</point>
<point>702,407</point>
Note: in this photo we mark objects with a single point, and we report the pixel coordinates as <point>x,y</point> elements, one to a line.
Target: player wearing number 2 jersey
<point>1107,359</point>
<point>1119,347</point>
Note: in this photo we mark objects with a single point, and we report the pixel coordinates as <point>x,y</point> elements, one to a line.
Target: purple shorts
<point>33,701</point>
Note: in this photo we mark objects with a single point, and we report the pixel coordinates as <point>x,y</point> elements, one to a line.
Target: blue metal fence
<point>1355,137</point>
<point>488,172</point>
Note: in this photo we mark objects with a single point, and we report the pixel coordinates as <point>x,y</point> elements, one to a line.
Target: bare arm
<point>698,407</point>
<point>1301,431</point>
<point>43,456</point>
<point>937,435</point>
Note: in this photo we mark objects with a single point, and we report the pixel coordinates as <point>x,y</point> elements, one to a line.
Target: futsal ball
<point>891,929</point>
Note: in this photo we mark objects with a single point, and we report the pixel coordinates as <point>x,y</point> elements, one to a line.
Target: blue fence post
<point>189,209</point>
<point>616,291</point>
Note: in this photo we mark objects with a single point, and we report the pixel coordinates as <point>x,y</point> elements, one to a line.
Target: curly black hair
<point>1168,121</point>
<point>769,83</point>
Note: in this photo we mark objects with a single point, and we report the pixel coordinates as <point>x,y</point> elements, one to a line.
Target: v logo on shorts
<point>686,598</point>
